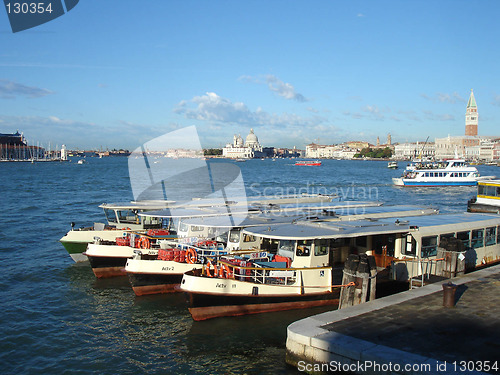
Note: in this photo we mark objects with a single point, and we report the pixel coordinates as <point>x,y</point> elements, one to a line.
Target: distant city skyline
<point>116,74</point>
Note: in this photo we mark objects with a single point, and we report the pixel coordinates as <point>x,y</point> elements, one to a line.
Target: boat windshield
<point>234,235</point>
<point>128,216</point>
<point>110,215</point>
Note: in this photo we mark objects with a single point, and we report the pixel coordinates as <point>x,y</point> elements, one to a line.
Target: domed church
<point>250,149</point>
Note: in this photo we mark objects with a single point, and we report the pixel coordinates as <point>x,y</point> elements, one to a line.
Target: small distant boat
<point>81,161</point>
<point>308,162</point>
<point>392,165</point>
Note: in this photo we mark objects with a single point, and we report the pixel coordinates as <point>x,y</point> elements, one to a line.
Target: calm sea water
<point>57,318</point>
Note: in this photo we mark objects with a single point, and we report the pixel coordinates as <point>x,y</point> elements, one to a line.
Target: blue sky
<point>117,73</point>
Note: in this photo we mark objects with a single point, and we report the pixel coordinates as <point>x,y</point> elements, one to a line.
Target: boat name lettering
<point>167,268</point>
<point>220,285</point>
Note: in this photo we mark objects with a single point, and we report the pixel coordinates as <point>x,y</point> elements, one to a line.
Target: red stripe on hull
<point>155,289</point>
<point>209,312</point>
<point>105,272</point>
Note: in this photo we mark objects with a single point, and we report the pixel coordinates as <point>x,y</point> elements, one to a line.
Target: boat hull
<point>104,267</point>
<point>406,182</point>
<point>75,241</point>
<point>209,306</point>
<point>146,284</point>
<point>156,276</point>
<point>209,298</point>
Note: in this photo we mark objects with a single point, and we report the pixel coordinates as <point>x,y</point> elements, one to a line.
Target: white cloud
<point>286,90</point>
<point>445,98</point>
<point>430,115</point>
<point>11,89</point>
<point>496,100</point>
<point>214,108</point>
<point>276,85</point>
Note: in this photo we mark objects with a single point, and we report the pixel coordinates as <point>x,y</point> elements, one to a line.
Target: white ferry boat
<point>448,173</point>
<point>488,198</point>
<point>299,265</point>
<point>121,218</point>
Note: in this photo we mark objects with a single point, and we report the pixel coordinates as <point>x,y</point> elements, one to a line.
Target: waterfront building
<point>408,151</point>
<point>14,147</point>
<point>249,149</point>
<point>357,144</point>
<point>342,151</point>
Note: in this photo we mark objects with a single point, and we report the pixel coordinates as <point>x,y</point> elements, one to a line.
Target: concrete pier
<point>407,333</point>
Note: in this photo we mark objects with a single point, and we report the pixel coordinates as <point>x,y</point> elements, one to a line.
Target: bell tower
<point>471,116</point>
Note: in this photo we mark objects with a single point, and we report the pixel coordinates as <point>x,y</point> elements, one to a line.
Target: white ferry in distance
<point>453,172</point>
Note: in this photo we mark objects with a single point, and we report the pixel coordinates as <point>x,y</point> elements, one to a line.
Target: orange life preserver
<point>208,270</point>
<point>225,272</point>
<point>191,256</point>
<point>144,243</point>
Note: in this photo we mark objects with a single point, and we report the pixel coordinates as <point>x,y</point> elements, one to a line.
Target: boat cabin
<point>127,215</point>
<point>396,243</point>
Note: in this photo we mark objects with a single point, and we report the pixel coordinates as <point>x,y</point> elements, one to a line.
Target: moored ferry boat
<point>300,264</point>
<point>448,173</point>
<point>487,199</point>
<point>121,217</point>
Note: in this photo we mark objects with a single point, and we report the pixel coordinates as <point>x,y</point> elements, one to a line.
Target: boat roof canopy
<point>418,225</point>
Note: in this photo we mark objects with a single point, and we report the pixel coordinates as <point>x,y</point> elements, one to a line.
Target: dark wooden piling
<point>362,270</point>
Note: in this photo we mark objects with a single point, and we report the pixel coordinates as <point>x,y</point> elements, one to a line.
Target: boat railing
<point>419,268</point>
<point>265,272</point>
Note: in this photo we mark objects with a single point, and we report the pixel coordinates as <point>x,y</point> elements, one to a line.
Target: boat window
<point>183,227</point>
<point>269,245</point>
<point>110,215</point>
<point>321,247</point>
<point>498,234</point>
<point>128,216</point>
<point>286,245</point>
<point>491,236</point>
<point>497,192</point>
<point>151,222</point>
<point>490,191</point>
<point>409,246</point>
<point>481,190</point>
<point>426,174</point>
<point>477,238</point>
<point>429,246</point>
<point>304,248</point>
<point>194,228</point>
<point>446,235</point>
<point>248,238</point>
<point>234,236</point>
<point>465,238</point>
<point>384,243</point>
